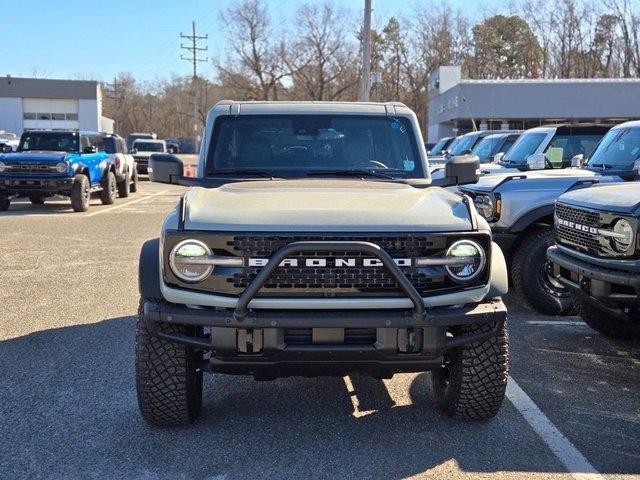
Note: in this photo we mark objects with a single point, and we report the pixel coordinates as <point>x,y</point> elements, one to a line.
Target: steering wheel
<point>373,162</point>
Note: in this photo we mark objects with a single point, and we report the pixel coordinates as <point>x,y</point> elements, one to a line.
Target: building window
<point>44,116</point>
<point>72,117</point>
<point>29,116</point>
<point>57,116</point>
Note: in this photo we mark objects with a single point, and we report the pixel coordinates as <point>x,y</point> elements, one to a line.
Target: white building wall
<point>11,115</point>
<point>88,115</point>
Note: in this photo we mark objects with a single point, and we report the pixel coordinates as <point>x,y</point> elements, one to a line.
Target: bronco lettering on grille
<point>329,262</point>
<point>576,226</point>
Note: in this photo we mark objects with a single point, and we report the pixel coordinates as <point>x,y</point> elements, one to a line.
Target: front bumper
<point>21,185</point>
<point>142,165</point>
<point>598,284</point>
<point>257,344</point>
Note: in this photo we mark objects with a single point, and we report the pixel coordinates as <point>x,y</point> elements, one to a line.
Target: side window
<point>98,142</point>
<point>84,143</point>
<point>507,144</point>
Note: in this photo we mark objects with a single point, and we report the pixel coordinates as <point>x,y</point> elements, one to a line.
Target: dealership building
<point>526,103</point>
<point>39,103</point>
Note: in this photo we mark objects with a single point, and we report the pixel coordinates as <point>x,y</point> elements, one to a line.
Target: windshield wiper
<point>242,171</point>
<point>351,173</point>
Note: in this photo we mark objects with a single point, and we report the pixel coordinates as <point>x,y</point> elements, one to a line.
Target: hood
<point>34,156</point>
<point>324,206</point>
<point>488,182</point>
<point>620,198</point>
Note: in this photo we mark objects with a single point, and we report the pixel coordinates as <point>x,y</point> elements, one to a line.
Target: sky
<point>96,40</point>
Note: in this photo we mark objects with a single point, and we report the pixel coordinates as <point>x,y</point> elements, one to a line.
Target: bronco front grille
<point>575,232</point>
<point>31,167</point>
<point>329,280</point>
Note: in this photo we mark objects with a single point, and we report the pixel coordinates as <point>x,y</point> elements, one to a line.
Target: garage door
<point>50,114</point>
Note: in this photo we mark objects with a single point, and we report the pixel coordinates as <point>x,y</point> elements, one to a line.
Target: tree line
<point>316,55</point>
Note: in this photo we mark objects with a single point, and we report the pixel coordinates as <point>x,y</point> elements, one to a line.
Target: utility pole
<point>114,94</point>
<point>194,49</point>
<point>366,53</point>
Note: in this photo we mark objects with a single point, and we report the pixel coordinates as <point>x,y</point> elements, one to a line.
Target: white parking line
<point>577,465</point>
<point>556,322</point>
<point>146,197</point>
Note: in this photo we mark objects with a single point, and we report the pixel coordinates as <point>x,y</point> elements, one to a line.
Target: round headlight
<point>484,205</point>
<point>62,167</point>
<point>186,259</point>
<point>624,235</point>
<point>471,260</point>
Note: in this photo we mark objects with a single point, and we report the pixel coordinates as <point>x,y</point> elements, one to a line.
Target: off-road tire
<point>532,282</point>
<point>108,192</point>
<point>168,383</point>
<point>124,187</point>
<point>134,181</point>
<point>473,383</point>
<point>5,202</point>
<point>608,325</point>
<point>36,199</point>
<point>80,193</point>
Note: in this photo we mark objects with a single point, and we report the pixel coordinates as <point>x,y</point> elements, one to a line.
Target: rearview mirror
<point>497,158</point>
<point>165,168</point>
<point>90,149</point>
<point>537,161</point>
<point>459,171</point>
<point>577,161</point>
<point>6,149</point>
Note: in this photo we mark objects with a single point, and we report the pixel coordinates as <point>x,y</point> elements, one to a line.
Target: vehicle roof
<point>486,133</point>
<point>503,134</point>
<point>632,123</point>
<point>286,107</point>
<point>80,132</point>
<point>565,128</point>
<point>149,140</point>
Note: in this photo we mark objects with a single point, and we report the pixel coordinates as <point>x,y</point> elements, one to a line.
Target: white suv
<point>126,171</point>
<point>143,148</point>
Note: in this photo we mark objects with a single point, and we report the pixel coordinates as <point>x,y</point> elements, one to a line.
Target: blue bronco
<point>47,163</point>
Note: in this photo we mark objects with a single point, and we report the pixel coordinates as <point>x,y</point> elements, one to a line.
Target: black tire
<point>610,326</point>
<point>124,187</point>
<point>134,181</point>
<point>108,192</point>
<point>472,386</point>
<point>80,193</point>
<point>4,203</point>
<point>531,280</point>
<point>36,199</point>
<point>168,383</point>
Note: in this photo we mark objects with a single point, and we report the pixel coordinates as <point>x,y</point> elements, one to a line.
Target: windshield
<point>620,148</point>
<point>148,146</point>
<point>564,147</point>
<point>49,141</point>
<point>466,143</point>
<point>295,145</point>
<point>486,148</point>
<point>439,146</point>
<point>526,145</point>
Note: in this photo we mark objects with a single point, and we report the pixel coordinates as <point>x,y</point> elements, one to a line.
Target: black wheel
<point>168,382</point>
<point>472,384</point>
<point>124,186</point>
<point>36,199</point>
<point>80,193</point>
<point>4,203</point>
<point>108,192</point>
<point>610,326</point>
<point>532,280</point>
<point>134,181</point>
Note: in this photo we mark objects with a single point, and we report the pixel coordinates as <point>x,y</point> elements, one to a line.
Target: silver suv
<point>313,242</point>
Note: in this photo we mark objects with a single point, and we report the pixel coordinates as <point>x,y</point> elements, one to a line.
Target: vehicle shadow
<point>23,207</point>
<point>69,411</point>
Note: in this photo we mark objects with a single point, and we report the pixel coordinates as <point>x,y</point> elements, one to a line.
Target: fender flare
<point>498,276</point>
<point>83,169</point>
<point>531,217</point>
<point>149,270</point>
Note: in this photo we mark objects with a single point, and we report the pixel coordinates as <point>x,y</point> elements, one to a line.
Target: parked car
<point>440,147</point>
<point>143,149</point>
<point>554,146</point>
<point>597,257</point>
<point>132,137</point>
<point>462,146</point>
<point>8,142</point>
<point>173,145</point>
<point>319,246</point>
<point>519,209</point>
<point>69,163</point>
<point>126,170</point>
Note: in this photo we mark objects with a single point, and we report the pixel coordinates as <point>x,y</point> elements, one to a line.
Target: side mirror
<point>537,161</point>
<point>133,151</point>
<point>165,168</point>
<point>459,171</point>
<point>90,149</point>
<point>577,161</point>
<point>497,158</point>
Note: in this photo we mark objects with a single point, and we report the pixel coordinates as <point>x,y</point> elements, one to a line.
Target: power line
<point>194,59</point>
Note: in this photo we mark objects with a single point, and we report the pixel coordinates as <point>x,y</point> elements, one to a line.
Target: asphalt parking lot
<point>68,402</point>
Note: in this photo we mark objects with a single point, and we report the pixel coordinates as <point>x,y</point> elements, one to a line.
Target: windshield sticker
<point>397,125</point>
<point>409,165</point>
<point>555,154</point>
